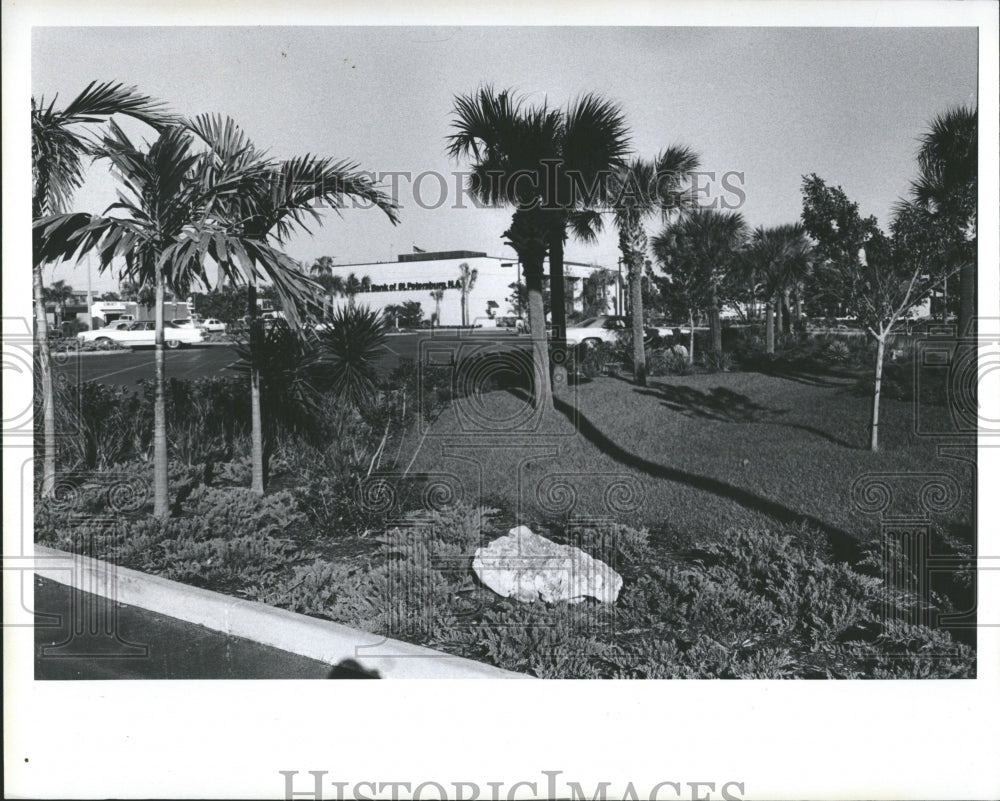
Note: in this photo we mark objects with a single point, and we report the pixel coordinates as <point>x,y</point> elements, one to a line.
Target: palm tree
<point>947,189</point>
<point>352,286</point>
<point>281,201</point>
<point>524,157</point>
<point>702,248</point>
<point>58,293</point>
<point>58,152</point>
<point>323,266</point>
<point>163,204</point>
<point>437,295</point>
<point>591,142</point>
<point>466,281</point>
<point>778,259</point>
<point>642,188</point>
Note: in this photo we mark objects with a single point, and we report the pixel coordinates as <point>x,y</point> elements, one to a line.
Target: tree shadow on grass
<point>843,545</point>
<point>725,406</point>
<point>804,372</point>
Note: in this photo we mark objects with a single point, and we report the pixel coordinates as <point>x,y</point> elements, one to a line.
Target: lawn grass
<point>693,455</point>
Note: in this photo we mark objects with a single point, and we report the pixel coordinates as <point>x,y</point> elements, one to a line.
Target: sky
<point>771,104</point>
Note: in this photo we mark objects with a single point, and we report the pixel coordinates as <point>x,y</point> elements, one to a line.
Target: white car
<point>212,325</point>
<point>595,329</point>
<point>144,333</point>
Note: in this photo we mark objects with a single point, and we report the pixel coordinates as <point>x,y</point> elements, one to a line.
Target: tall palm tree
<point>529,158</point>
<point>591,142</point>
<point>59,148</point>
<point>947,188</point>
<point>641,189</point>
<point>703,249</point>
<point>466,281</point>
<point>282,200</point>
<point>437,295</point>
<point>163,205</point>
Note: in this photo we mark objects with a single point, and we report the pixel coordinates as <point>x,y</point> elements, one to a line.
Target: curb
<point>322,640</point>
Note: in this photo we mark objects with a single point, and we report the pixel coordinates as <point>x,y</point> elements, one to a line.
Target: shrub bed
<point>762,603</point>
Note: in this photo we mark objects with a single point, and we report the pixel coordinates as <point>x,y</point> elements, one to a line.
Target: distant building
<point>414,276</point>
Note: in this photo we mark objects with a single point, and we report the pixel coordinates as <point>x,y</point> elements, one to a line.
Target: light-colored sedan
<point>144,333</point>
<point>212,325</point>
<point>603,328</point>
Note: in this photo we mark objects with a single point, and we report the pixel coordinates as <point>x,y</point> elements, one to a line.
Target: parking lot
<point>204,361</point>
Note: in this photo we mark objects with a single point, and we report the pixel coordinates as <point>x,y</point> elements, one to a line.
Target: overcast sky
<point>771,103</point>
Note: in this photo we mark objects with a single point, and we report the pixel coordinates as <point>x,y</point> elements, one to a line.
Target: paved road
<point>212,360</point>
<point>72,642</point>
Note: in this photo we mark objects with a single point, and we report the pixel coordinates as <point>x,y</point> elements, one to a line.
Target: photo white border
<point>837,739</point>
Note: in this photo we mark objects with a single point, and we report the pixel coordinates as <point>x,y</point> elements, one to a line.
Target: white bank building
<point>415,276</point>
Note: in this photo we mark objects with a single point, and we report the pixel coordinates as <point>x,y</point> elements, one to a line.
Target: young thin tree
<point>880,280</point>
<point>59,149</point>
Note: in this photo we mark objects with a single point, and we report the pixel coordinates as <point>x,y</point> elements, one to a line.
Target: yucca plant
<point>349,349</point>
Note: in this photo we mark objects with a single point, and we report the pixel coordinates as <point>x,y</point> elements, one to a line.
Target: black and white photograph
<point>565,347</point>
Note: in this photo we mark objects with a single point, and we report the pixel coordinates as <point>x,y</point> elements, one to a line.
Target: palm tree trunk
<point>779,316</point>
<point>638,333</point>
<point>967,300</point>
<point>715,324</point>
<point>879,354</point>
<point>539,343</point>
<point>48,401</point>
<point>161,501</point>
<point>691,336</point>
<point>256,425</point>
<point>769,326</point>
<point>557,285</point>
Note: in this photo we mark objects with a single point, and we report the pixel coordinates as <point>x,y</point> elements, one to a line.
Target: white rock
<point>529,567</point>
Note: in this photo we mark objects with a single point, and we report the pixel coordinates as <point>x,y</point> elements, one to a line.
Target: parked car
<point>144,333</point>
<point>666,329</point>
<point>603,328</point>
<point>185,322</point>
<point>212,325</point>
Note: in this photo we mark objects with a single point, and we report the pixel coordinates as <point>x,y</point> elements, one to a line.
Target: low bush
<point>667,361</point>
<point>761,603</point>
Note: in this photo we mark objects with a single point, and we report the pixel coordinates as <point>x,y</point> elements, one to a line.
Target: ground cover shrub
<point>666,361</point>
<point>70,345</point>
<point>595,359</point>
<point>760,603</point>
<point>230,540</point>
